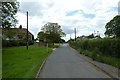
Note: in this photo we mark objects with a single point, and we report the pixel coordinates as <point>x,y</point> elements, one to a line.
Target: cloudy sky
<point>87,16</point>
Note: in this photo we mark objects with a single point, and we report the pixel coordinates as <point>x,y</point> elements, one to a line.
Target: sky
<point>87,16</point>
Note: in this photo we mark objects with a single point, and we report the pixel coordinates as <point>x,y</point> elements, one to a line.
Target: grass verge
<point>21,63</point>
<point>56,45</point>
<point>95,55</point>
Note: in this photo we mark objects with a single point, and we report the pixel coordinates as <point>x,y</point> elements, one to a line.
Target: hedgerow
<point>98,49</point>
<point>11,43</point>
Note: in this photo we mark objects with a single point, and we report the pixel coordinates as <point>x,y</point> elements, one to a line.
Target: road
<point>64,63</point>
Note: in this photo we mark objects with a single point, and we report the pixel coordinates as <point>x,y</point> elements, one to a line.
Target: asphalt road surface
<point>64,63</point>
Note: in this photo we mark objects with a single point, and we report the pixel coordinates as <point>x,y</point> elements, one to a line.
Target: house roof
<point>24,30</point>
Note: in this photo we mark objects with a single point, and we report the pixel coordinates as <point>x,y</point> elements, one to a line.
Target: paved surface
<point>65,63</point>
<point>110,70</point>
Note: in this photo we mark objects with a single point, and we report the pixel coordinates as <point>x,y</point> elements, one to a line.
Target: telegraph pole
<point>75,34</point>
<point>27,32</point>
<point>70,36</point>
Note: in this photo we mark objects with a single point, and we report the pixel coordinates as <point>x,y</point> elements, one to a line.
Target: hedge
<point>11,43</point>
<point>104,50</point>
<point>105,46</point>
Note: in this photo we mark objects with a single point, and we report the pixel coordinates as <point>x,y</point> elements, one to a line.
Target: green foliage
<point>41,35</point>
<point>86,53</point>
<point>21,63</point>
<point>11,43</point>
<point>106,46</point>
<point>113,27</point>
<point>62,41</point>
<point>51,32</point>
<point>9,9</point>
<point>95,54</point>
<point>111,60</point>
<point>99,49</point>
<point>9,32</point>
<point>55,46</point>
<point>70,40</point>
<point>90,36</point>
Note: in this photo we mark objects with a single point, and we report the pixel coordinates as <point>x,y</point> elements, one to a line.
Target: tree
<point>91,36</point>
<point>62,41</point>
<point>41,35</point>
<point>10,33</point>
<point>70,40</point>
<point>9,9</point>
<point>113,27</point>
<point>51,32</point>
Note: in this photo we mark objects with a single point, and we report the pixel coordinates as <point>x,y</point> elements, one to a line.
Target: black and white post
<point>27,32</point>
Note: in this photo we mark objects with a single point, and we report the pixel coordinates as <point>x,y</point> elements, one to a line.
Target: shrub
<point>11,43</point>
<point>22,43</point>
<point>104,50</point>
<point>55,46</point>
<point>30,42</point>
<point>87,53</point>
<point>95,54</point>
<point>105,46</point>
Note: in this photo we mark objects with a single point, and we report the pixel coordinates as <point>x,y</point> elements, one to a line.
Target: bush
<point>104,50</point>
<point>105,46</point>
<point>30,42</point>
<point>55,46</point>
<point>11,43</point>
<point>95,54</point>
<point>22,43</point>
<point>86,53</point>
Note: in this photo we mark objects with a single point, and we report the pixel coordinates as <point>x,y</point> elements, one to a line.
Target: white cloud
<point>86,15</point>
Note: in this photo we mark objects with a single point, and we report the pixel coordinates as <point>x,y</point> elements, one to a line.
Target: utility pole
<point>119,8</point>
<point>70,36</point>
<point>27,32</point>
<point>75,34</point>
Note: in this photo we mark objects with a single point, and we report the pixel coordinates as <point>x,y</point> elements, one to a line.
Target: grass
<point>102,58</point>
<point>0,63</point>
<point>111,61</point>
<point>56,45</point>
<point>18,62</point>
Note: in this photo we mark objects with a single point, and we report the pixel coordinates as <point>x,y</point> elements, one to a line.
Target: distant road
<point>64,63</point>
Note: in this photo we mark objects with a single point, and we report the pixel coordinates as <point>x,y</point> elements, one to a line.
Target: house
<point>16,34</point>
